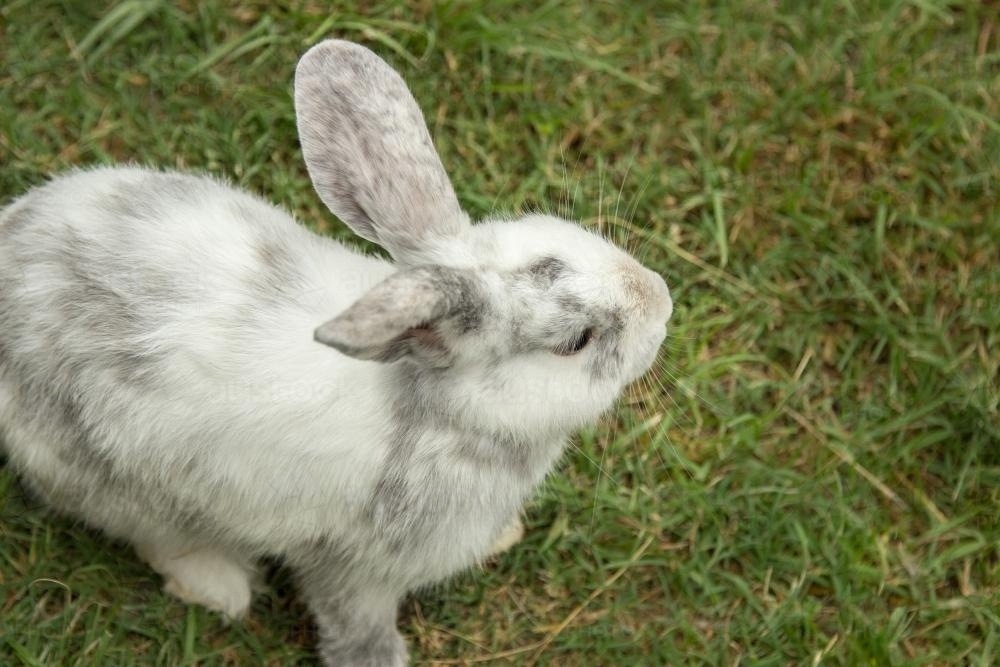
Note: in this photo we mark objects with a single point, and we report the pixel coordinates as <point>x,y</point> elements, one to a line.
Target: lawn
<point>811,473</point>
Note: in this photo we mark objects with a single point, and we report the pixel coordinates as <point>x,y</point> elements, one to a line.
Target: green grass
<point>811,476</point>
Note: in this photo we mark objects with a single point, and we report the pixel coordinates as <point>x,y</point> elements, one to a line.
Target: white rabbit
<point>161,379</point>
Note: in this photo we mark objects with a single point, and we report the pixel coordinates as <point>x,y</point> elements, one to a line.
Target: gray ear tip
<point>327,334</point>
<point>333,335</point>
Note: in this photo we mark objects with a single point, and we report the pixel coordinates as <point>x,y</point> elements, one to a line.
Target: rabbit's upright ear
<point>369,153</point>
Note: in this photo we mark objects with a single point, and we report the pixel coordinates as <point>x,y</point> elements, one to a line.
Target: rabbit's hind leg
<point>208,576</point>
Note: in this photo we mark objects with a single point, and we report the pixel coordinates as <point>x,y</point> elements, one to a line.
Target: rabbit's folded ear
<point>415,313</point>
<point>369,153</point>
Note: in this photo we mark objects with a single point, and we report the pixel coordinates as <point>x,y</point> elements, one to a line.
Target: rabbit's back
<point>102,265</point>
<point>155,336</point>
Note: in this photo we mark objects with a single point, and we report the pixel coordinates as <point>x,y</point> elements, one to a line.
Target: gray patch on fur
<point>390,503</point>
<point>502,449</point>
<point>278,276</point>
<point>123,204</point>
<point>147,199</point>
<point>98,489</point>
<point>570,303</point>
<point>412,497</point>
<point>466,306</point>
<point>547,270</point>
<point>607,358</point>
<point>274,256</point>
<point>18,219</point>
<point>108,304</point>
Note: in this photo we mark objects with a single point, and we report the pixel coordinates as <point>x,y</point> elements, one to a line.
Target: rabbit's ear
<point>416,313</point>
<point>369,153</point>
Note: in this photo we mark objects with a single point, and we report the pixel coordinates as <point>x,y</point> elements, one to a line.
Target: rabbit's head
<point>529,325</point>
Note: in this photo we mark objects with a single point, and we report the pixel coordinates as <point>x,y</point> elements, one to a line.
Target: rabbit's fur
<point>161,379</point>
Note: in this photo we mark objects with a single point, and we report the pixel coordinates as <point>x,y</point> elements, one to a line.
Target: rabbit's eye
<point>577,344</point>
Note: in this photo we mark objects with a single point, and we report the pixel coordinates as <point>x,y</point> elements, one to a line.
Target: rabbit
<point>188,369</point>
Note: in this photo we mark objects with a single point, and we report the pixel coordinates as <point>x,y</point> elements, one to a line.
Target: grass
<point>812,474</point>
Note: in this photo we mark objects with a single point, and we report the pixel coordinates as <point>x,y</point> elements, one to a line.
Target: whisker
<point>597,488</point>
<point>574,195</point>
<point>500,191</point>
<point>601,470</point>
<point>717,407</point>
<point>621,188</point>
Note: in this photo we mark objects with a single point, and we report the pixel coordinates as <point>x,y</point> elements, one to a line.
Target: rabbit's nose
<point>652,296</point>
<point>663,305</point>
